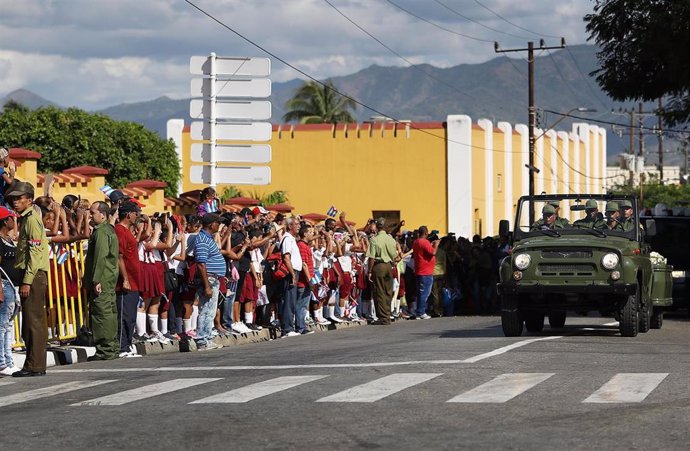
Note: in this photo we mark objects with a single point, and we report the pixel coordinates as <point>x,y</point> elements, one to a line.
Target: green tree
<point>654,193</point>
<point>643,52</point>
<point>73,137</point>
<point>314,103</point>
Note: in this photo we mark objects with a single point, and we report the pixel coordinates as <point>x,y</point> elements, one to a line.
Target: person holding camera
<point>424,254</point>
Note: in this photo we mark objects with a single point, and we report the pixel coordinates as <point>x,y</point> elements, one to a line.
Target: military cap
<point>591,204</point>
<point>625,204</point>
<point>555,203</point>
<point>19,189</point>
<point>548,209</point>
<point>612,206</point>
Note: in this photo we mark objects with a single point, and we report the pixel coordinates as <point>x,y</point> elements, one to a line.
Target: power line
<point>477,22</point>
<point>513,24</point>
<point>586,79</point>
<point>566,82</point>
<point>618,124</point>
<point>437,25</point>
<point>415,66</point>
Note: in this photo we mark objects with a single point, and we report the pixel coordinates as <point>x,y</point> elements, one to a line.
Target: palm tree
<point>314,103</point>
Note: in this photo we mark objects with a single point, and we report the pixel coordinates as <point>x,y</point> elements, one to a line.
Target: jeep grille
<point>566,254</point>
<point>559,269</point>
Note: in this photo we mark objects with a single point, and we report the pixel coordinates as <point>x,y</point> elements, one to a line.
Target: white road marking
<point>258,390</point>
<point>627,387</point>
<point>147,391</point>
<point>380,388</point>
<point>5,383</point>
<point>502,388</point>
<point>49,391</point>
<point>505,349</point>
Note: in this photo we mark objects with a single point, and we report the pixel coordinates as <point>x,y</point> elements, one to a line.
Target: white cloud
<point>94,54</point>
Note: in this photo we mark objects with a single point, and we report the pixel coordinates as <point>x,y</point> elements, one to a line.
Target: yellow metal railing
<point>65,299</point>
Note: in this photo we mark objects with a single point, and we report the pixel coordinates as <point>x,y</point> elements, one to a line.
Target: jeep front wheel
<point>511,320</point>
<point>630,315</point>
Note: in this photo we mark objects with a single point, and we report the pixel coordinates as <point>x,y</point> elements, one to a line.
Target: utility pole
<point>641,115</point>
<point>660,136</point>
<point>531,109</point>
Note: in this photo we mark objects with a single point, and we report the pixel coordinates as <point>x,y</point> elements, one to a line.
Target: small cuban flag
<point>316,279</point>
<point>332,212</point>
<point>107,189</point>
<point>63,255</point>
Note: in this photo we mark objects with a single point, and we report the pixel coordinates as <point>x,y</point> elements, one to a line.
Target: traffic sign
<point>254,87</point>
<point>236,153</point>
<point>235,131</point>
<point>237,67</point>
<point>247,175</point>
<point>238,109</point>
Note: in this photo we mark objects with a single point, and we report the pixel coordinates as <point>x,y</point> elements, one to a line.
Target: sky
<point>98,53</point>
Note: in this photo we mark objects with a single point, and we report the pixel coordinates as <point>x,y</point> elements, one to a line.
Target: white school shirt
<point>289,246</point>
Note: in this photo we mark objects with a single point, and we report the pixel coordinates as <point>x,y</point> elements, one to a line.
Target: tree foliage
<point>644,52</point>
<point>73,137</point>
<point>314,103</point>
<point>654,193</point>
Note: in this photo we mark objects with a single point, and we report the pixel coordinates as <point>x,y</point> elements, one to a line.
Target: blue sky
<point>97,53</point>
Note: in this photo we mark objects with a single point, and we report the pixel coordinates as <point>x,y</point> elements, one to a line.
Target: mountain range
<point>496,89</point>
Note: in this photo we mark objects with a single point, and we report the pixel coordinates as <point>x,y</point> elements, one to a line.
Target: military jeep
<point>602,264</point>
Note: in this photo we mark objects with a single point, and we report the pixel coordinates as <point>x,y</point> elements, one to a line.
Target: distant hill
<point>496,89</point>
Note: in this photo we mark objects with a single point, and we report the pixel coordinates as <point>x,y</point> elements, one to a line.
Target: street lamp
<point>532,140</point>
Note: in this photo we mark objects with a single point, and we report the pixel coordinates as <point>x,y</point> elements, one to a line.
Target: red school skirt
<point>152,279</point>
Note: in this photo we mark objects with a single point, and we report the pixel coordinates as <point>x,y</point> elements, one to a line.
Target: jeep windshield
<point>559,215</point>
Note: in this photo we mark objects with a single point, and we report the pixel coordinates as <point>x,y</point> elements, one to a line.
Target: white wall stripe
<point>459,174</point>
<point>380,388</point>
<point>523,131</point>
<point>539,162</point>
<point>508,170</point>
<point>555,173</point>
<point>258,390</point>
<point>49,391</point>
<point>627,387</point>
<point>489,176</point>
<point>502,388</point>
<point>147,391</point>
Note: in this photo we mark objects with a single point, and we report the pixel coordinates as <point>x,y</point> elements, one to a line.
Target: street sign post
<point>236,153</point>
<point>244,175</point>
<point>228,116</point>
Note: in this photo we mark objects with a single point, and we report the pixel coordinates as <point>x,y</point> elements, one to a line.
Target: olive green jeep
<point>600,262</point>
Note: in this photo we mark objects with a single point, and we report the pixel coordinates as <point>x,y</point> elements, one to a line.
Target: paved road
<point>436,384</point>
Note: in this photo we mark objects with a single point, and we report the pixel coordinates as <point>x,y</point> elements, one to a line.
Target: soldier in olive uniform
<point>100,276</point>
<point>382,254</point>
<point>561,222</point>
<point>593,219</point>
<point>627,220</point>
<point>32,258</point>
<point>549,220</point>
<point>613,216</point>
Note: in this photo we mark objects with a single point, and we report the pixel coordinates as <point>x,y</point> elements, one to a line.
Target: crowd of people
<point>164,277</point>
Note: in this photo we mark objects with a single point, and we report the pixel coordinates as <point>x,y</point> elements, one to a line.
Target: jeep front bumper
<point>539,288</point>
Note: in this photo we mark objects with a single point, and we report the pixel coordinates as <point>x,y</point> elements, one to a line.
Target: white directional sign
<point>238,67</point>
<point>254,87</point>
<point>250,110</point>
<point>249,175</point>
<point>236,153</point>
<point>233,131</point>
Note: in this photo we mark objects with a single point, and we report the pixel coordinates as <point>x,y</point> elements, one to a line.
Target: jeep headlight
<point>609,261</point>
<point>522,261</point>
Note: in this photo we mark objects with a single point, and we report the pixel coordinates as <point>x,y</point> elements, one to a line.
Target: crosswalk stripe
<point>627,387</point>
<point>49,391</point>
<point>380,388</point>
<point>258,390</point>
<point>502,388</point>
<point>147,391</point>
<point>5,383</point>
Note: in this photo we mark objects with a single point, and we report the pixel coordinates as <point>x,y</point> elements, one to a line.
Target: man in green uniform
<point>382,254</point>
<point>613,216</point>
<point>100,276</point>
<point>593,218</point>
<point>32,258</point>
<point>561,223</point>
<point>627,220</point>
<point>548,219</point>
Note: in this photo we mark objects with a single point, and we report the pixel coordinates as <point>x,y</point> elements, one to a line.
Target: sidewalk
<point>67,355</point>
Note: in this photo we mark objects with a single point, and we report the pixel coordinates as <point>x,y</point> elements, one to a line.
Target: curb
<point>67,355</point>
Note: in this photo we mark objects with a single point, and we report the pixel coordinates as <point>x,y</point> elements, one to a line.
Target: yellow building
<point>455,176</point>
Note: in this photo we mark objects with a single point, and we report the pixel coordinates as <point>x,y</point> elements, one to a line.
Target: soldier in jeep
<point>560,222</point>
<point>613,216</point>
<point>593,218</point>
<point>549,219</point>
<point>627,220</point>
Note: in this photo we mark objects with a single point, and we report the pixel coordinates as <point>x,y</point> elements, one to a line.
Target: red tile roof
<point>86,170</point>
